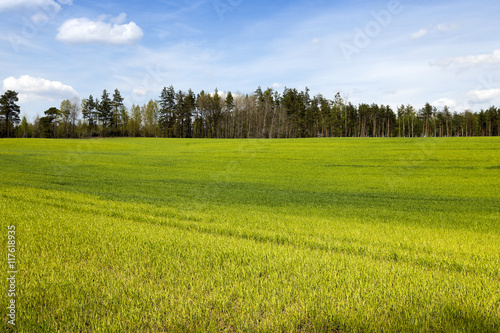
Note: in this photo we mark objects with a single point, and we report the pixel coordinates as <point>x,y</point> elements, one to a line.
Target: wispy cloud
<point>419,34</point>
<point>482,96</point>
<point>445,27</point>
<point>442,102</point>
<point>470,61</point>
<point>434,29</point>
<point>84,30</point>
<point>36,4</point>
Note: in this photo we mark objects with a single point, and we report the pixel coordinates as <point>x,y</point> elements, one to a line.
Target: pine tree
<point>215,113</point>
<point>116,104</point>
<point>167,110</point>
<point>9,110</point>
<point>190,107</point>
<point>89,112</point>
<point>49,122</point>
<point>228,112</point>
<point>104,110</point>
<point>180,108</point>
<point>426,114</point>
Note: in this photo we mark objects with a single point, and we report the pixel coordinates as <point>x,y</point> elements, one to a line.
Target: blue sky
<point>388,52</point>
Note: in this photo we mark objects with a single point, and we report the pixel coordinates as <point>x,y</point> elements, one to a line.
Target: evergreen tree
<point>167,110</point>
<point>190,107</point>
<point>215,114</point>
<point>426,114</point>
<point>89,112</point>
<point>180,109</point>
<point>49,122</point>
<point>185,104</point>
<point>228,110</point>
<point>326,117</point>
<point>116,104</point>
<point>262,114</point>
<point>9,110</point>
<point>340,115</point>
<point>104,110</point>
<point>295,109</point>
<point>364,115</point>
<point>201,115</point>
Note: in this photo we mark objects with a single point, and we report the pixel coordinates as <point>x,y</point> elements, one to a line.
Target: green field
<point>314,235</point>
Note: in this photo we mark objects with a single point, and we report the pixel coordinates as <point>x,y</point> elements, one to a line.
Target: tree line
<point>262,114</point>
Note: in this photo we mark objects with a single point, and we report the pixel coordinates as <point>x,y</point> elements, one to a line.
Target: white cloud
<point>222,94</point>
<point>444,27</point>
<point>434,29</point>
<point>419,34</point>
<point>469,61</point>
<point>482,96</point>
<point>141,92</point>
<point>45,5</point>
<point>442,102</point>
<point>38,89</point>
<point>84,30</point>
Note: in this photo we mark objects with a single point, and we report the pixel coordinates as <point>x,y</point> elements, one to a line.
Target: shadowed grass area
<point>316,235</point>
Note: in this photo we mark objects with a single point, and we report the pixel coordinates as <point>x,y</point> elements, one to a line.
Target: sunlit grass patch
<point>134,235</point>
